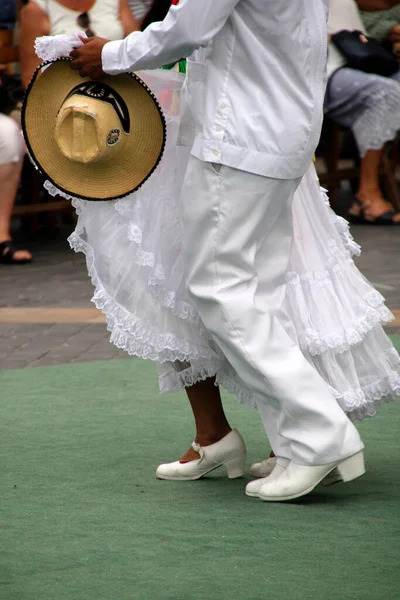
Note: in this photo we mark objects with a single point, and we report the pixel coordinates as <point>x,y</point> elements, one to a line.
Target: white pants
<point>237,235</point>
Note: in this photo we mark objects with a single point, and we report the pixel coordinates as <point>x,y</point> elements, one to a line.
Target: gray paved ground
<point>58,278</point>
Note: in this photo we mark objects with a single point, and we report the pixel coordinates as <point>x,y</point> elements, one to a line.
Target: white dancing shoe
<point>230,452</point>
<point>253,488</point>
<point>299,480</point>
<point>333,477</point>
<point>264,468</point>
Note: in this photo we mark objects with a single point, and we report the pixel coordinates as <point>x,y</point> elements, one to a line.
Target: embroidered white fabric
<point>379,123</point>
<point>137,270</point>
<point>51,47</point>
<point>336,312</point>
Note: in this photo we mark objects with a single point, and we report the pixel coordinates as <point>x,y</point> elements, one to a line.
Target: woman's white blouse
<point>104,18</point>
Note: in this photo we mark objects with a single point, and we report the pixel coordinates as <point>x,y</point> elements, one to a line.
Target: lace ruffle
<point>364,402</point>
<point>370,310</point>
<point>55,191</point>
<point>156,276</point>
<point>343,228</point>
<point>174,381</point>
<point>140,339</point>
<point>333,288</point>
<point>131,334</point>
<point>236,388</point>
<point>357,403</point>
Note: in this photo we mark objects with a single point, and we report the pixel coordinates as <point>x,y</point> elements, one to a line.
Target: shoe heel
<point>352,467</point>
<point>332,478</point>
<point>235,467</point>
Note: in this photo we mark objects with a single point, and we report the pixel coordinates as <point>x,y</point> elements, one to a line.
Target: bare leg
<point>209,416</point>
<point>9,179</point>
<point>369,192</point>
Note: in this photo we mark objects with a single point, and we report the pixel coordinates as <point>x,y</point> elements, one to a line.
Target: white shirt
<point>343,14</point>
<point>255,82</point>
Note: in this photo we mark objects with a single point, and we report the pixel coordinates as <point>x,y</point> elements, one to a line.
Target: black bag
<point>11,93</point>
<point>365,53</point>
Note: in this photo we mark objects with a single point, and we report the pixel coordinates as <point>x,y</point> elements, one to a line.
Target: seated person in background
<point>111,19</point>
<point>383,25</point>
<point>12,152</point>
<point>367,104</point>
<point>8,14</point>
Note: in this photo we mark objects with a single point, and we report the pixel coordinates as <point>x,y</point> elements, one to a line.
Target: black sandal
<point>383,219</point>
<point>7,253</point>
<point>357,217</point>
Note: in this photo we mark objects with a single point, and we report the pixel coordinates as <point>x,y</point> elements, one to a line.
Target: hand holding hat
<point>87,58</point>
<point>96,140</point>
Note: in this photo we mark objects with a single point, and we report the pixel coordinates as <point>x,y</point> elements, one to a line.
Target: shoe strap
<point>197,448</point>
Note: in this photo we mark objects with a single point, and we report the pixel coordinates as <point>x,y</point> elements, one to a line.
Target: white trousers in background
<point>231,218</point>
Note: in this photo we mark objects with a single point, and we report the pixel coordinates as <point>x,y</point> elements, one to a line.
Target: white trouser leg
<point>271,292</point>
<point>269,414</point>
<point>229,219</point>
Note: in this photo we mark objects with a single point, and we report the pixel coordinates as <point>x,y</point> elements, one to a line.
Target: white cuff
<point>110,58</point>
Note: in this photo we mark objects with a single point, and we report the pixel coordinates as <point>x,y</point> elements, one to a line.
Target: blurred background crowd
<point>357,159</point>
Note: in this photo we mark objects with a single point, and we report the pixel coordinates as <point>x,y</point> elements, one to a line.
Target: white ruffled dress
<point>133,253</point>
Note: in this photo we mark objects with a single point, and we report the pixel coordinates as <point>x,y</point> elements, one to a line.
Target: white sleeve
<point>189,25</point>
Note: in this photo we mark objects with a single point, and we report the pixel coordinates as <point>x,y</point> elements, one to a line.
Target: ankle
<point>366,194</point>
<point>5,236</point>
<point>212,437</point>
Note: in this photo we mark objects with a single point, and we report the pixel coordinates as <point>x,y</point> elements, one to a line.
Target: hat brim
<point>118,177</point>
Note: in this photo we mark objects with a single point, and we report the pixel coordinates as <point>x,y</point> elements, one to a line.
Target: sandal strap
<point>386,218</point>
<point>7,251</point>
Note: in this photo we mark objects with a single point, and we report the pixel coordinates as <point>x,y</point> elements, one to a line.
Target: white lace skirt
<point>133,253</point>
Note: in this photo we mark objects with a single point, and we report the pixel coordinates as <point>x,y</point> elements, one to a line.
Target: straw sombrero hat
<point>97,140</point>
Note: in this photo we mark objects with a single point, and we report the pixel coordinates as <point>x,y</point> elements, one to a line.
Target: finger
<point>74,53</point>
<point>76,65</point>
<point>95,73</point>
<point>84,72</point>
<point>83,39</point>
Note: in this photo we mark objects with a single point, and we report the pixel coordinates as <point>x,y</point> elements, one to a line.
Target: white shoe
<point>254,487</point>
<point>229,452</point>
<point>299,480</point>
<point>333,477</point>
<point>264,468</point>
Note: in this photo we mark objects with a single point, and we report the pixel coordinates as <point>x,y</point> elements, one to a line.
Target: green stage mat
<point>84,518</point>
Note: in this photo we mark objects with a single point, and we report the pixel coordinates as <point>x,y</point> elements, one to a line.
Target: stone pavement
<point>46,316</point>
<point>32,332</point>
